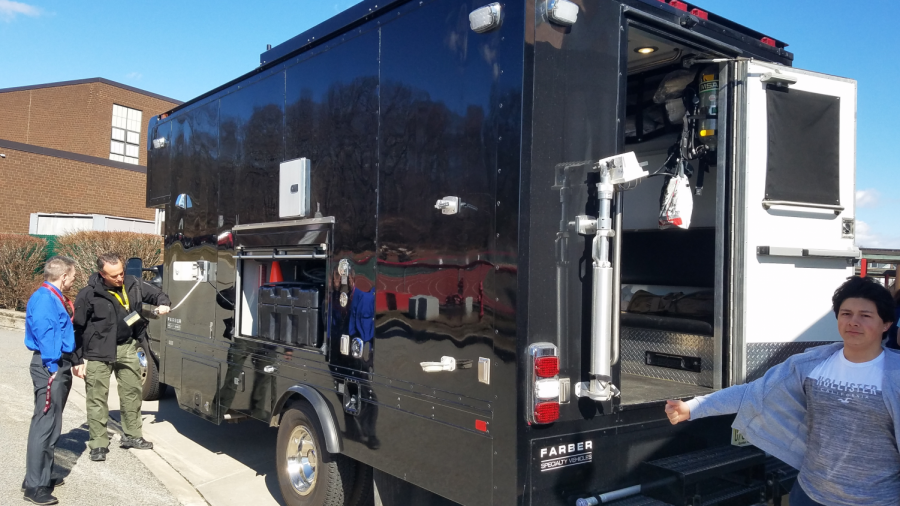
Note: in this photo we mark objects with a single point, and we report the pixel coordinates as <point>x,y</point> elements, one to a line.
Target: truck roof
<point>368,9</point>
<point>671,11</point>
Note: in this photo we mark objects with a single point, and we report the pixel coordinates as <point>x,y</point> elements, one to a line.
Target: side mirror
<point>134,267</point>
<point>157,280</point>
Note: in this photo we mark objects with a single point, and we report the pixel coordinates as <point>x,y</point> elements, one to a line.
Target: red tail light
<point>546,367</point>
<point>546,412</point>
<point>768,41</point>
<point>678,5</point>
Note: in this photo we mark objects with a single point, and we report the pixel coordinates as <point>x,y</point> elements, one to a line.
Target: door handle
<point>446,364</point>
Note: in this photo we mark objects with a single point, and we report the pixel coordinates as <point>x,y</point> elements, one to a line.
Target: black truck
<point>475,190</point>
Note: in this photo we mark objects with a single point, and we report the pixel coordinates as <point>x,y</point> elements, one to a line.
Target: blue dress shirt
<point>48,328</point>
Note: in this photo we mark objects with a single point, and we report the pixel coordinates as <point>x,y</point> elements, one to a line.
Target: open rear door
<point>794,152</point>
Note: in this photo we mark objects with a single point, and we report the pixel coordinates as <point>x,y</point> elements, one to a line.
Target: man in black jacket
<point>106,311</point>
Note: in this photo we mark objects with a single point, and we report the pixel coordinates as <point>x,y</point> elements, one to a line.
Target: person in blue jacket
<point>832,412</point>
<point>49,334</point>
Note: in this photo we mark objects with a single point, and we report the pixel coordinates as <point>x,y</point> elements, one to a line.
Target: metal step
<point>638,500</point>
<point>730,475</point>
<point>715,494</point>
<point>780,478</point>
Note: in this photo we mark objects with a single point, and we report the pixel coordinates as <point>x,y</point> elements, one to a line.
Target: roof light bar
<point>700,13</point>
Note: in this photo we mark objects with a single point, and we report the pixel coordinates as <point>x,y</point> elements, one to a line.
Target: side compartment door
<point>794,151</point>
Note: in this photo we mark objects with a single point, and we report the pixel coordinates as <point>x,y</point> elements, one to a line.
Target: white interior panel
<point>251,276</point>
<point>789,299</point>
<point>642,203</point>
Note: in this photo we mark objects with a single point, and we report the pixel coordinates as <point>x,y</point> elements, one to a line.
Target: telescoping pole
<point>601,387</point>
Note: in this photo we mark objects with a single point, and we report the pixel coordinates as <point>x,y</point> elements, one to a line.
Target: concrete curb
<point>175,483</point>
<point>12,320</point>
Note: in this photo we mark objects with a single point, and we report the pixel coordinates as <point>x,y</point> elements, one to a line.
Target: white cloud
<point>867,198</point>
<point>9,10</point>
<point>866,237</point>
<point>134,75</point>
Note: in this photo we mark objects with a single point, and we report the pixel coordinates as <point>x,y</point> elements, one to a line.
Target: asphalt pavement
<point>193,462</point>
<point>122,479</point>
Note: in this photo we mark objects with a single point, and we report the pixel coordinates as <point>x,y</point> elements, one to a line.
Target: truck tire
<point>363,488</point>
<point>307,474</point>
<point>151,388</point>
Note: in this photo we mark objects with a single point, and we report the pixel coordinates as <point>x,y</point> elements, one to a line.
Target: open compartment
<point>282,287</point>
<point>670,345</point>
<point>288,311</point>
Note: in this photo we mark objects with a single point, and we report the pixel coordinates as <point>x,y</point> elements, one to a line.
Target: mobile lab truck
<point>475,190</point>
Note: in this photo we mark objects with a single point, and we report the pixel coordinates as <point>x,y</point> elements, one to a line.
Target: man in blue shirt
<point>49,334</point>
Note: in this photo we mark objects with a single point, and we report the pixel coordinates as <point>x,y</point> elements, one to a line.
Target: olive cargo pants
<point>96,384</point>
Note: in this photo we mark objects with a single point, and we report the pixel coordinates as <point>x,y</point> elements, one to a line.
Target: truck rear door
<point>794,154</point>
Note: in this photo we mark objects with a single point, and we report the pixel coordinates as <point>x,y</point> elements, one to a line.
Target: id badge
<point>132,318</point>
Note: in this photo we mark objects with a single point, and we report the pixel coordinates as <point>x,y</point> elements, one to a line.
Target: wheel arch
<point>322,409</point>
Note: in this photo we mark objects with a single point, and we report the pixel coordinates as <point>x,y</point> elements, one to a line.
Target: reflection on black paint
<point>194,150</point>
<point>251,143</point>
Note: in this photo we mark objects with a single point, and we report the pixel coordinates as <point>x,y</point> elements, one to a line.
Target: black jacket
<point>96,319</point>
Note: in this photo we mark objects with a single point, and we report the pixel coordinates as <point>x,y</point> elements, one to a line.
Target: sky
<point>183,49</point>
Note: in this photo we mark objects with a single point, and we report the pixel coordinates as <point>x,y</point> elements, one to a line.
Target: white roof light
<point>563,12</point>
<point>485,18</point>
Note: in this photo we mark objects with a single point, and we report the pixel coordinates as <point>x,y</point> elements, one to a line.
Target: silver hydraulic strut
<point>600,387</point>
<point>625,171</point>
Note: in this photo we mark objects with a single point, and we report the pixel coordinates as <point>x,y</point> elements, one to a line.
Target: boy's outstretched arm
<point>677,411</point>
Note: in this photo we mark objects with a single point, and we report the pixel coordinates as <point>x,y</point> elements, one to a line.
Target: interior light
<point>646,50</point>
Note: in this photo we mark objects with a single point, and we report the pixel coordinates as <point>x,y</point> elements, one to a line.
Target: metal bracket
<point>585,225</point>
<point>583,389</point>
<point>484,370</point>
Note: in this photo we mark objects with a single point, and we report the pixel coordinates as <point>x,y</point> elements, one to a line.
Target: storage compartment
<point>286,305</point>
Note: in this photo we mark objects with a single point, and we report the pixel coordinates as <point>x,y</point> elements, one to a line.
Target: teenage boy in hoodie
<point>105,317</point>
<point>832,412</point>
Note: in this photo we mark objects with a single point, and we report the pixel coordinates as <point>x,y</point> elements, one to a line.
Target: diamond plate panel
<point>762,356</point>
<point>635,342</point>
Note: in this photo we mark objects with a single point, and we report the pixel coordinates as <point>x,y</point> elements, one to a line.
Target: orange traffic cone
<point>275,274</point>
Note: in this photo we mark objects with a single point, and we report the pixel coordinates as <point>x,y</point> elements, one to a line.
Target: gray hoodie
<point>771,411</point>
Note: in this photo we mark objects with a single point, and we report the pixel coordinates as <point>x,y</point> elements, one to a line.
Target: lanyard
<point>124,293</point>
<point>67,304</point>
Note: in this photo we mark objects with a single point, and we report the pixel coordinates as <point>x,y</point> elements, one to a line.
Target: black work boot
<point>138,443</point>
<point>56,481</point>
<point>40,495</point>
<point>99,454</point>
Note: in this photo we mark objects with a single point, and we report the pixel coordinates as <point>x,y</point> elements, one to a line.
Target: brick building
<point>74,147</point>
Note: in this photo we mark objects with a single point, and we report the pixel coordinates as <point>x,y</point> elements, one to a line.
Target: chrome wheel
<point>302,460</point>
<point>142,359</point>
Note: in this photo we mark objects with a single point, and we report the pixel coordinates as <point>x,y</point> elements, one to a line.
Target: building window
<point>126,135</point>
